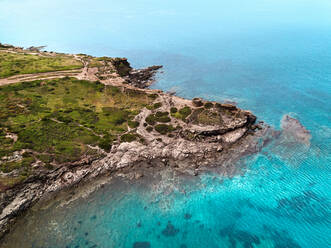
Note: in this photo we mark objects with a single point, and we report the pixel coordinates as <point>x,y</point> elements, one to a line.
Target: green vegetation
<point>186,111</point>
<point>206,117</point>
<point>133,124</point>
<point>182,114</point>
<point>164,128</point>
<point>197,102</point>
<point>154,106</point>
<point>5,143</point>
<point>173,110</point>
<point>7,182</point>
<point>153,96</point>
<point>23,163</point>
<point>149,129</point>
<point>129,137</point>
<point>57,120</point>
<point>158,117</point>
<point>20,63</point>
<point>122,66</point>
<point>106,142</point>
<point>97,62</point>
<point>209,105</point>
<point>150,119</point>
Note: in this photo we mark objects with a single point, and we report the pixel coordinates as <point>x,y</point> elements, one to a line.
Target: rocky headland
<point>96,116</point>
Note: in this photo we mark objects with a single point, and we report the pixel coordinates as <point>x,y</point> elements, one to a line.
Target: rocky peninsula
<point>67,119</point>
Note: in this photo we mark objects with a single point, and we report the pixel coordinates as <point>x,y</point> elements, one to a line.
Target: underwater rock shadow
<point>143,244</point>
<point>187,216</point>
<point>292,143</point>
<point>235,236</point>
<point>280,239</point>
<point>170,230</point>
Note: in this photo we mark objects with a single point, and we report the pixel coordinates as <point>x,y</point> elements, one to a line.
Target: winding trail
<point>83,73</point>
<point>38,76</point>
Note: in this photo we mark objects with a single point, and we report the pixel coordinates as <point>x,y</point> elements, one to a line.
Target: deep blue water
<point>272,57</point>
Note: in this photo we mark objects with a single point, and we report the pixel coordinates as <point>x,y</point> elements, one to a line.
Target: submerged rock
<point>143,244</point>
<point>292,128</point>
<point>170,230</point>
<point>187,216</point>
<point>292,142</point>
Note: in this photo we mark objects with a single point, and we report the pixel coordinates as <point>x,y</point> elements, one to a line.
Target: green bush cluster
<point>182,113</point>
<point>153,96</point>
<point>209,105</point>
<point>133,124</point>
<point>129,137</point>
<point>154,106</point>
<point>106,142</point>
<point>173,110</point>
<point>186,111</point>
<point>159,116</point>
<point>149,129</point>
<point>164,128</point>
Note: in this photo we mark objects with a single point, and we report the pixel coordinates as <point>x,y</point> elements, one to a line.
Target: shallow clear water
<point>272,57</point>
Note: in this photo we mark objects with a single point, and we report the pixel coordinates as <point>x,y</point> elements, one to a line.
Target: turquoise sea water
<point>272,57</point>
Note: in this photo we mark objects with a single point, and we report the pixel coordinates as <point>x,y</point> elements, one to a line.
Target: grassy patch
<point>182,114</point>
<point>59,118</point>
<point>8,182</point>
<point>207,117</point>
<point>19,63</point>
<point>96,62</point>
<point>6,144</point>
<point>20,164</point>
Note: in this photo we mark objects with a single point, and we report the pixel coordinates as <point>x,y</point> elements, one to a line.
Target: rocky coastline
<point>189,136</point>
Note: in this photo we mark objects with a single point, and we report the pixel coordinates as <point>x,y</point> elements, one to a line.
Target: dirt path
<point>78,73</point>
<point>38,76</point>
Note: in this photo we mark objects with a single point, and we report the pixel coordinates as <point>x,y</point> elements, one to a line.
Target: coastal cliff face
<point>95,116</point>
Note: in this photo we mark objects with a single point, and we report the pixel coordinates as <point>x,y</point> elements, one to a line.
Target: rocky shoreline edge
<point>211,136</point>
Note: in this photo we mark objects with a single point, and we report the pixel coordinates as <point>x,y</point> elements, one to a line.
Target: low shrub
<point>164,128</point>
<point>183,113</point>
<point>153,96</point>
<point>173,110</point>
<point>154,106</point>
<point>158,117</point>
<point>133,124</point>
<point>186,111</point>
<point>149,129</point>
<point>106,142</point>
<point>209,105</point>
<point>128,137</point>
